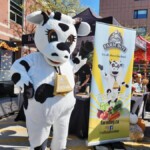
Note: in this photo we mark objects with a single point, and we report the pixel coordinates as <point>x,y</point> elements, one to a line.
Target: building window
<point>141,31</point>
<point>16,12</point>
<point>139,14</point>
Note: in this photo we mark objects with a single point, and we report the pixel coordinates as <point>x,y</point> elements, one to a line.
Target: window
<point>16,12</point>
<point>141,31</point>
<point>139,14</point>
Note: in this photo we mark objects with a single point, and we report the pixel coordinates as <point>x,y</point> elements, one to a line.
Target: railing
<point>140,67</point>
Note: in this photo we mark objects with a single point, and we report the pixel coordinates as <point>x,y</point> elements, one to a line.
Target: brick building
<point>129,13</point>
<point>11,19</point>
<point>12,26</point>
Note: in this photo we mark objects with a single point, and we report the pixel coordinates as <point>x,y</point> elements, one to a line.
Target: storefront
<point>7,57</point>
<point>28,45</point>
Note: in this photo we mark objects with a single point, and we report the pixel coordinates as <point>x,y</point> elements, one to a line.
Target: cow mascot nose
<point>63,46</point>
<point>46,103</point>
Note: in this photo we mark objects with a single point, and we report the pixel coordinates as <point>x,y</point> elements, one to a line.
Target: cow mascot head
<point>56,35</point>
<point>55,38</point>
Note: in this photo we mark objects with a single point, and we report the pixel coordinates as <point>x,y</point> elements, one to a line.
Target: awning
<point>143,49</point>
<point>140,42</point>
<point>88,16</point>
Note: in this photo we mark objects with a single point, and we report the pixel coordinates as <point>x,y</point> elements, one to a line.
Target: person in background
<point>147,104</point>
<point>145,82</point>
<point>137,83</point>
<point>134,76</point>
<point>148,86</point>
<point>84,77</point>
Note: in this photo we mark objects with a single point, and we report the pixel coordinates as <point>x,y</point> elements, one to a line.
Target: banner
<point>111,84</point>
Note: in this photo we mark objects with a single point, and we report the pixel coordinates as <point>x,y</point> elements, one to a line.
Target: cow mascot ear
<point>83,28</point>
<point>37,17</point>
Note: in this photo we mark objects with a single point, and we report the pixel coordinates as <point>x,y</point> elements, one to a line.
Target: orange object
<point>114,116</point>
<point>6,46</point>
<point>141,124</point>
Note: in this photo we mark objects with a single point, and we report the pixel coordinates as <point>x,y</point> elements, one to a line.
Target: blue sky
<point>93,4</point>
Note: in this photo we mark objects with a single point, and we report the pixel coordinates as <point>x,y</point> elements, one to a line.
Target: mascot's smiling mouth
<point>54,62</point>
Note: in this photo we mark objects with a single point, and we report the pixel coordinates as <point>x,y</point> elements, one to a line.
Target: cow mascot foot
<point>41,74</point>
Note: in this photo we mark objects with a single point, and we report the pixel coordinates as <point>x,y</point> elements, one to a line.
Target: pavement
<point>13,135</point>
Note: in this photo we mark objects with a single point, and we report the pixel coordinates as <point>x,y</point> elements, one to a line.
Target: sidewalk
<point>13,136</point>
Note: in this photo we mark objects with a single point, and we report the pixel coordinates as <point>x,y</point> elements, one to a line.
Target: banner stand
<point>109,121</point>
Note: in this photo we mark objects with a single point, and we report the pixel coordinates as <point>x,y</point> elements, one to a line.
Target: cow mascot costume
<point>55,38</point>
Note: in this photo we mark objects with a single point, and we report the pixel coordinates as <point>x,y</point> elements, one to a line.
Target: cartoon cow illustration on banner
<point>114,80</point>
<point>55,38</point>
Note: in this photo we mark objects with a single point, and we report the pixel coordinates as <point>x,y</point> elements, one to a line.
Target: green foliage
<point>64,6</point>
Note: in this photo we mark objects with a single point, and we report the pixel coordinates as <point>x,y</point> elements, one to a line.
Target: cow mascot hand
<point>55,38</point>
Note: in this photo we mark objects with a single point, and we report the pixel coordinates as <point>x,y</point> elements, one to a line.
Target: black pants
<point>80,118</point>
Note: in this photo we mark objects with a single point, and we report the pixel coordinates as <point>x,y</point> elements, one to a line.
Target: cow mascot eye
<point>52,35</point>
<point>70,40</point>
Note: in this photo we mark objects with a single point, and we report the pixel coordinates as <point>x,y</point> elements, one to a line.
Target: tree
<point>64,6</point>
